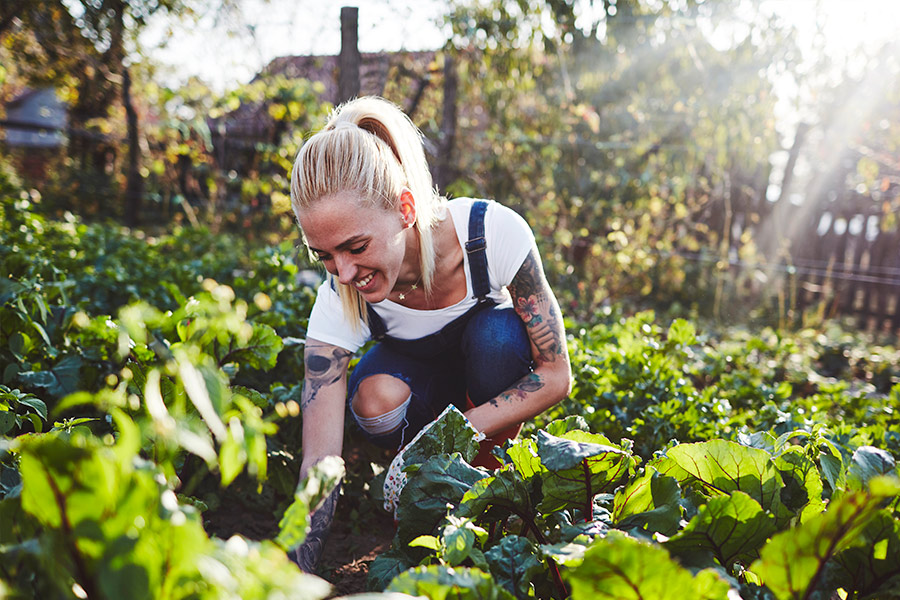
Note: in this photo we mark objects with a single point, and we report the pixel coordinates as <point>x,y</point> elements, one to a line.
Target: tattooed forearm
<point>307,554</point>
<point>537,306</point>
<point>325,365</point>
<point>527,385</point>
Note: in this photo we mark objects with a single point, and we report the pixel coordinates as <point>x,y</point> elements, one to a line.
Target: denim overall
<point>470,360</point>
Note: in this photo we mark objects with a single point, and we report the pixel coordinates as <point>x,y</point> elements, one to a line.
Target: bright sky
<point>270,28</point>
<point>267,29</point>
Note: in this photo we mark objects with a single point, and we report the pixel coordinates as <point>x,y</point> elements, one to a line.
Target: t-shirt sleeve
<point>328,324</point>
<point>509,240</point>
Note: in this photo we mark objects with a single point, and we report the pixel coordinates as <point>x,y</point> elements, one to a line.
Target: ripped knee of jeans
<point>385,423</point>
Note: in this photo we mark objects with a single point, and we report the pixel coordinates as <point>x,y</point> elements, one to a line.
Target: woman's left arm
<point>551,380</point>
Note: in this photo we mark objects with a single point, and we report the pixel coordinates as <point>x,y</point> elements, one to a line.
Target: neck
<point>411,270</point>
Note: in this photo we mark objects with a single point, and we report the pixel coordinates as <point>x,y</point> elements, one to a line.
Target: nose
<point>346,269</point>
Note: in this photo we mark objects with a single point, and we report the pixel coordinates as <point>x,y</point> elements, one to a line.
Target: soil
<point>360,532</point>
<point>348,553</point>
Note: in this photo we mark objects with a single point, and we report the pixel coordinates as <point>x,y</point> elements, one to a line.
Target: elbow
<point>560,382</point>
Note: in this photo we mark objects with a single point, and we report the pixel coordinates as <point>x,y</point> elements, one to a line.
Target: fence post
<point>349,58</point>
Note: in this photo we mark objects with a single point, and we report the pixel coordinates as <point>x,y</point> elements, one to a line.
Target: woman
<point>454,292</point>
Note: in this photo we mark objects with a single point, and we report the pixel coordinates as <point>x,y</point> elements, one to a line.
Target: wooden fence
<point>839,257</point>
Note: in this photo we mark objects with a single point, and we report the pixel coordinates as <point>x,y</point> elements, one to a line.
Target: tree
<point>87,47</point>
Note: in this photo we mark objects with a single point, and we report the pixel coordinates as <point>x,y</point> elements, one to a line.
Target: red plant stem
<point>589,505</point>
<point>557,579</point>
<point>529,523</point>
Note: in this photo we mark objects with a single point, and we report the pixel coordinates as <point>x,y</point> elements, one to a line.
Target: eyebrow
<point>354,240</point>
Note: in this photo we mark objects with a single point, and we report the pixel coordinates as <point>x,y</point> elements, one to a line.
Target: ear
<point>407,207</point>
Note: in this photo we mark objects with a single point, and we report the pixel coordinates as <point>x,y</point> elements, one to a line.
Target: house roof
<point>251,122</point>
<point>374,69</point>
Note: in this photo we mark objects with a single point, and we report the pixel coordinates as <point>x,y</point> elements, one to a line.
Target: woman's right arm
<point>322,402</point>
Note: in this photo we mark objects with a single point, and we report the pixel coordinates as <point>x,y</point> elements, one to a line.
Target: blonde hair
<point>371,148</point>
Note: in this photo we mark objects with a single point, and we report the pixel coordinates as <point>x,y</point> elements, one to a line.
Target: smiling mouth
<point>361,283</point>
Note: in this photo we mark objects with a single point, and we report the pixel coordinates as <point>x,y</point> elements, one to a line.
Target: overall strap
<point>476,249</point>
<point>376,323</point>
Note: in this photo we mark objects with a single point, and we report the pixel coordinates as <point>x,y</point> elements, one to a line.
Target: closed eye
<point>360,249</point>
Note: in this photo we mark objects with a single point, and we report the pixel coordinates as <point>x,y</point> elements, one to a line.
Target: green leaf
<point>426,541</point>
<point>36,404</point>
<point>321,480</point>
<point>386,567</point>
<point>868,567</point>
<point>7,421</point>
<point>232,458</point>
<point>458,539</point>
<point>450,432</point>
<point>560,453</point>
<point>514,564</point>
<point>578,467</point>
<point>435,490</point>
<point>622,568</point>
<point>63,481</point>
<point>260,352</point>
<point>444,583</point>
<point>733,528</point>
<point>505,489</point>
<point>562,426</point>
<point>649,502</point>
<point>61,379</point>
<point>522,454</point>
<point>792,562</point>
<point>682,332</point>
<point>722,467</point>
<point>867,463</point>
<point>568,554</point>
<point>802,491</point>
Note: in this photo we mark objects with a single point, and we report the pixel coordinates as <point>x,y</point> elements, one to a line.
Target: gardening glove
<point>308,554</point>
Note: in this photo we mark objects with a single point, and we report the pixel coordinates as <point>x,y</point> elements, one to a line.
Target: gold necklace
<point>415,286</point>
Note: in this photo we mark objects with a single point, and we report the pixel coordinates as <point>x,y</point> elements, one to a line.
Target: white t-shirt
<point>508,240</point>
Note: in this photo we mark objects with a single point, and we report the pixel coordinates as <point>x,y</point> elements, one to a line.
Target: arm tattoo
<point>520,390</point>
<point>307,554</point>
<point>325,365</point>
<point>536,305</point>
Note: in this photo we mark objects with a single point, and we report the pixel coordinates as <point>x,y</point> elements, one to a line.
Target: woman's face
<point>363,246</point>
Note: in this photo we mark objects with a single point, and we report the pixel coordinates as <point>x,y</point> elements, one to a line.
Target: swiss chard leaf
<point>450,433</point>
<point>514,563</point>
<point>869,567</point>
<point>649,502</point>
<point>386,567</point>
<point>622,568</point>
<point>792,562</point>
<point>802,491</point>
<point>577,468</point>
<point>436,489</point>
<point>868,462</point>
<point>440,583</point>
<point>562,426</point>
<point>505,489</point>
<point>732,528</point>
<point>722,467</point>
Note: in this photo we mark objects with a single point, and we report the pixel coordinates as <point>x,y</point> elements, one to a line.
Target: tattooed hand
<point>308,554</point>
